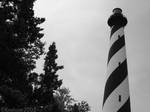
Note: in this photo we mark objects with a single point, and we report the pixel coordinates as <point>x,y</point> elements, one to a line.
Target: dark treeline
<point>20,48</point>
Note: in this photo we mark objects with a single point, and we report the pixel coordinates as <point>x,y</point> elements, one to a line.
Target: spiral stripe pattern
<point>116,93</point>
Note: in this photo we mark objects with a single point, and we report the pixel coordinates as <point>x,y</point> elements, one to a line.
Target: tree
<point>68,104</point>
<point>46,83</point>
<point>20,34</point>
<point>83,106</point>
<point>63,98</point>
<point>12,97</point>
<point>20,43</point>
<point>49,80</point>
<point>74,108</point>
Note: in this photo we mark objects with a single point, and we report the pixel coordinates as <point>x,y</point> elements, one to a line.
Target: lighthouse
<point>116,93</point>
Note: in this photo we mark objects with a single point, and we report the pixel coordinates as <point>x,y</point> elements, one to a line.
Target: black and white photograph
<point>74,55</point>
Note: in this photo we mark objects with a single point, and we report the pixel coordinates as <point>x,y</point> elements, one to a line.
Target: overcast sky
<point>81,33</point>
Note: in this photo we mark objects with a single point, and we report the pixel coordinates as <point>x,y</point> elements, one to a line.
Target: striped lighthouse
<point>116,93</point>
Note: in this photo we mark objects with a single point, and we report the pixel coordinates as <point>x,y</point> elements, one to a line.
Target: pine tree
<point>50,81</point>
<point>46,83</point>
<point>20,43</point>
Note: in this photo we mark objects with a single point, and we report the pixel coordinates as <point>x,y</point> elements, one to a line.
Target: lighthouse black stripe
<point>116,77</point>
<point>114,29</point>
<point>125,107</point>
<point>115,47</point>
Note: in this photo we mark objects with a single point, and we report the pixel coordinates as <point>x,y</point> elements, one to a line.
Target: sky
<point>81,33</point>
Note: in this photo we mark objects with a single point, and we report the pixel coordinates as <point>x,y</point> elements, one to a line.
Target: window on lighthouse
<point>119,98</point>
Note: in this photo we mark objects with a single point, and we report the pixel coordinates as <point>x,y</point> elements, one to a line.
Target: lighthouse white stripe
<point>112,103</point>
<point>120,56</point>
<point>114,37</point>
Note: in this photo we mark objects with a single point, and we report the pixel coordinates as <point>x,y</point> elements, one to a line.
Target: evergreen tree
<point>46,83</point>
<point>13,98</point>
<point>50,81</point>
<point>20,44</point>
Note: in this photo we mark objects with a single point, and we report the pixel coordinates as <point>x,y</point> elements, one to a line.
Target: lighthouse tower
<point>116,94</point>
